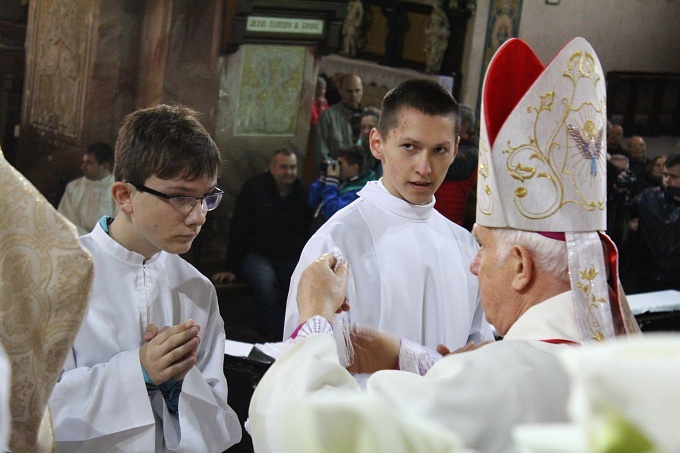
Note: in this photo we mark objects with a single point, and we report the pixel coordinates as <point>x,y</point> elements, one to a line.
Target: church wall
<point>80,79</point>
<point>628,35</point>
<point>265,100</point>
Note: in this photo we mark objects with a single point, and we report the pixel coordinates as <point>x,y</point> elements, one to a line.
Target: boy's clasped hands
<point>169,352</point>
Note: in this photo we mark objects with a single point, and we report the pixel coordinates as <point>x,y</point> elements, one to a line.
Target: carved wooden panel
<point>271,83</point>
<point>58,67</point>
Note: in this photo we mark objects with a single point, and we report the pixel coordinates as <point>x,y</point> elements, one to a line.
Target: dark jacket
<point>267,224</point>
<point>657,253</point>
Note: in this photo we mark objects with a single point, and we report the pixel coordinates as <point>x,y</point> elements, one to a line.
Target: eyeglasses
<point>183,204</point>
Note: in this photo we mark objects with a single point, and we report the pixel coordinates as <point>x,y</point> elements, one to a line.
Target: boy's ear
<point>375,142</point>
<point>121,195</point>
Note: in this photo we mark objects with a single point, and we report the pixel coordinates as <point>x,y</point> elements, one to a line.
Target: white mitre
<point>542,168</point>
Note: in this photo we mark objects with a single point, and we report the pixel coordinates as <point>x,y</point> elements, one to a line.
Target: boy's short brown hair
<point>423,95</point>
<point>165,141</point>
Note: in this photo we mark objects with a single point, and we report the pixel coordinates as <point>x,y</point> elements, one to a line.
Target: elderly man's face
<point>616,135</point>
<point>284,170</point>
<point>495,277</point>
<point>637,148</point>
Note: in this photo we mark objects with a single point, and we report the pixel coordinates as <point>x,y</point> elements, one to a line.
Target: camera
<point>328,162</point>
<point>625,180</point>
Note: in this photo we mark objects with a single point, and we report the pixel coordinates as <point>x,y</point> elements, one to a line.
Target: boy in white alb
<point>410,265</point>
<point>126,385</point>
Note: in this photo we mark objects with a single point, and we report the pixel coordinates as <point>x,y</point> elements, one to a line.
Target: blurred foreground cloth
<point>44,291</point>
<point>625,396</point>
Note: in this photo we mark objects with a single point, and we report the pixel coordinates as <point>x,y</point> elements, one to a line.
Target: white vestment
<point>308,402</point>
<point>86,201</point>
<point>101,401</point>
<point>5,415</point>
<point>409,270</point>
<point>46,277</point>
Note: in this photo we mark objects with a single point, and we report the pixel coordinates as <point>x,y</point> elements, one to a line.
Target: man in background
<point>339,125</point>
<point>88,198</point>
<point>269,227</point>
<point>637,155</point>
<point>656,266</point>
<point>614,139</point>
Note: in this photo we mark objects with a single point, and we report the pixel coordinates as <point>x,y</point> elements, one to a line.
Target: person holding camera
<point>339,183</point>
<point>269,228</point>
<point>655,224</point>
<point>621,188</point>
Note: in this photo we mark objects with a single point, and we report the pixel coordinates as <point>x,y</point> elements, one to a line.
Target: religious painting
<point>271,84</point>
<point>503,24</point>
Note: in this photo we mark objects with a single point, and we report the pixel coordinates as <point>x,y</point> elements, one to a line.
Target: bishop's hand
<point>323,288</point>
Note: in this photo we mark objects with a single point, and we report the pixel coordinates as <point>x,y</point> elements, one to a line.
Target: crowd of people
<point>643,213</point>
<point>422,289</point>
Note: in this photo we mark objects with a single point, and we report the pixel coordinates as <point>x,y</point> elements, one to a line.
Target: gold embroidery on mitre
<point>563,154</point>
<point>582,64</point>
<point>594,303</point>
<point>484,204</point>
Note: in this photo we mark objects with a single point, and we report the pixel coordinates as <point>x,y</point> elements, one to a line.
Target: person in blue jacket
<point>339,183</point>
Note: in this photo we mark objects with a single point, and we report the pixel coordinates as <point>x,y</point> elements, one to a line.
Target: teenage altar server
<point>543,272</point>
<point>410,270</point>
<point>145,372</point>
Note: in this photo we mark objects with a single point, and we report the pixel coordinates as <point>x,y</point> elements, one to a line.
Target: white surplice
<point>101,401</point>
<point>409,270</point>
<point>86,201</point>
<point>308,402</point>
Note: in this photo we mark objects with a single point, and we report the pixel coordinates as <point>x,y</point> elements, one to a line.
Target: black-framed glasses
<point>185,204</point>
